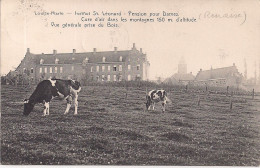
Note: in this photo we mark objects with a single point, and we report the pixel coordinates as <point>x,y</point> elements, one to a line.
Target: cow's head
<point>28,107</point>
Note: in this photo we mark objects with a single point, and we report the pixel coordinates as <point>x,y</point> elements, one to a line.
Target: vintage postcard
<point>110,82</point>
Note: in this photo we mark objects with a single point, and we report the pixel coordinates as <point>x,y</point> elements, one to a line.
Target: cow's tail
<point>168,100</point>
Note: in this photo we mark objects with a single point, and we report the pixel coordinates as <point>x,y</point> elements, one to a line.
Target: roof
<point>93,57</point>
<point>217,73</point>
<point>177,77</point>
<point>183,77</point>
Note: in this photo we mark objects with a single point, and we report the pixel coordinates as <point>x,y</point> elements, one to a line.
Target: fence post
<point>230,101</point>
<point>253,94</point>
<point>199,100</point>
<point>227,90</point>
<point>186,88</point>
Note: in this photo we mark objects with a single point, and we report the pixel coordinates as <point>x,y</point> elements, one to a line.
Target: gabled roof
<point>93,57</point>
<point>217,73</point>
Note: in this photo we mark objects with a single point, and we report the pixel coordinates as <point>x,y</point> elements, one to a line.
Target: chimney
<point>28,50</point>
<point>94,50</point>
<point>200,69</point>
<point>141,50</point>
<point>115,49</point>
<point>54,52</point>
<point>74,51</point>
<point>133,46</point>
<point>234,64</point>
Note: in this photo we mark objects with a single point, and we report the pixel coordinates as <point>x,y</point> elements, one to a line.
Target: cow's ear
<point>26,101</point>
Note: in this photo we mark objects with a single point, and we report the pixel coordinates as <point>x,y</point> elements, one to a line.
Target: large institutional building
<point>94,66</point>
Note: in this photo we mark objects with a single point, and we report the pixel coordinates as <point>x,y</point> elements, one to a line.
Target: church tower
<point>182,66</point>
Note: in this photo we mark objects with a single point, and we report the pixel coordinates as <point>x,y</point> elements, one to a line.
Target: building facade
<point>226,76</point>
<point>92,66</point>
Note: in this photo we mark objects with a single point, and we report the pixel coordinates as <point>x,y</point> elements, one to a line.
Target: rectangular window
<point>114,68</point>
<point>24,70</point>
<point>61,69</point>
<point>91,69</point>
<point>72,68</point>
<point>56,69</point>
<point>120,77</point>
<point>114,77</point>
<point>40,70</point>
<point>103,77</point>
<point>108,77</point>
<point>45,69</point>
<point>138,67</point>
<point>103,68</point>
<point>129,77</point>
<point>31,70</point>
<point>97,68</point>
<point>120,67</point>
<point>50,69</point>
<point>108,68</point>
<point>129,67</point>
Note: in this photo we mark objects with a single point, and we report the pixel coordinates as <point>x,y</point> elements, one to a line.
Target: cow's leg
<point>76,104</point>
<point>45,108</point>
<point>163,105</point>
<point>48,108</point>
<point>69,101</point>
<point>153,105</point>
<point>149,107</point>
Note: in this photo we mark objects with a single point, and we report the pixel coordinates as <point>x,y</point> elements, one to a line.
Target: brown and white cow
<point>47,90</point>
<point>155,96</point>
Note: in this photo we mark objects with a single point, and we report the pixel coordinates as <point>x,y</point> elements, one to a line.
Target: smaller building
<point>226,76</point>
<point>182,77</point>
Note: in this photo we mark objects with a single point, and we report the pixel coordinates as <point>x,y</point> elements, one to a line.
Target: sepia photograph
<point>130,83</point>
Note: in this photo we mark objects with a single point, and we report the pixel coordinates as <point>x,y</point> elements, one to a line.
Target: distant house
<point>181,77</point>
<point>95,66</point>
<point>226,76</point>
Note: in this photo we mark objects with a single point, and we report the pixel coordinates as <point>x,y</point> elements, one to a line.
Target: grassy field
<point>112,130</point>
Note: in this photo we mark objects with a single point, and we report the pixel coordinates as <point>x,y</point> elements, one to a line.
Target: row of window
<point>51,70</point>
<point>103,67</point>
<point>115,77</point>
<point>86,60</point>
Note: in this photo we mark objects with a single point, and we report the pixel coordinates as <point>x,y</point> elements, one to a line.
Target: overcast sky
<point>215,42</point>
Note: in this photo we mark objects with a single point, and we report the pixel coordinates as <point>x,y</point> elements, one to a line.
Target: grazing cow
<point>155,96</point>
<point>46,90</point>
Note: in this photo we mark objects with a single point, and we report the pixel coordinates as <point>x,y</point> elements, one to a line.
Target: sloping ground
<point>112,130</point>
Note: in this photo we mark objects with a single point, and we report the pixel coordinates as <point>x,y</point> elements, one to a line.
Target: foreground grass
<point>112,130</point>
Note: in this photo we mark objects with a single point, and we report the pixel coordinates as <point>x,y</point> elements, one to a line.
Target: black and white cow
<point>46,90</point>
<point>155,96</point>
